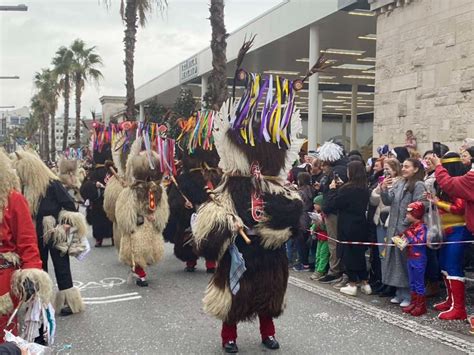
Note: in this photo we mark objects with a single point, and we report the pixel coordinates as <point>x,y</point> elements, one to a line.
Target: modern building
<point>11,120</point>
<point>59,131</point>
<point>290,38</point>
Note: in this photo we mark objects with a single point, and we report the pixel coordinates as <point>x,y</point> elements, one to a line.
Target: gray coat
<point>394,266</point>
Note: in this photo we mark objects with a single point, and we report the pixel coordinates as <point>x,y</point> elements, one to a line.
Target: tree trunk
<point>129,41</point>
<point>46,136</point>
<point>66,93</point>
<point>218,78</point>
<point>53,136</point>
<point>78,88</point>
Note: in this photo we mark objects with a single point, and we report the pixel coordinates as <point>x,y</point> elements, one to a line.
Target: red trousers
<point>267,328</point>
<point>210,264</point>
<point>140,272</point>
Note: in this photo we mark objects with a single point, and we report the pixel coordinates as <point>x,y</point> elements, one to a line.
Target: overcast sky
<point>28,41</point>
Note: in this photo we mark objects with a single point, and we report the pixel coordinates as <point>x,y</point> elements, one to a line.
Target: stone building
<point>424,77</point>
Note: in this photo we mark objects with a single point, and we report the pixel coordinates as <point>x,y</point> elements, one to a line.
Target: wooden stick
<point>179,190</point>
<point>244,236</point>
<point>114,173</point>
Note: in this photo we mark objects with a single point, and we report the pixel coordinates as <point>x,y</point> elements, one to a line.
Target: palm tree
<point>62,63</point>
<point>134,13</point>
<point>84,68</point>
<point>218,78</point>
<point>47,95</point>
<point>40,115</point>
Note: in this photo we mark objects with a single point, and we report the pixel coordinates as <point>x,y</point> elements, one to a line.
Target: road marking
<point>386,316</point>
<point>107,283</point>
<point>114,300</point>
<point>108,297</point>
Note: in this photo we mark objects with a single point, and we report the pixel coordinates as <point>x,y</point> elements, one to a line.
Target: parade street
<point>167,317</point>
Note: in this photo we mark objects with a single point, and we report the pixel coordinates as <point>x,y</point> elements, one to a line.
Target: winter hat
<point>318,200</point>
<point>416,209</point>
<point>401,153</point>
<point>383,149</point>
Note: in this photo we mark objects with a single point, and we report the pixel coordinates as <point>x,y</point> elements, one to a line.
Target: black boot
<point>271,343</point>
<point>230,347</point>
<point>389,291</point>
<point>142,283</point>
<point>66,311</point>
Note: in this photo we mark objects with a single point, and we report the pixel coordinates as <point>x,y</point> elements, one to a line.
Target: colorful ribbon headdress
<point>196,131</point>
<point>264,112</point>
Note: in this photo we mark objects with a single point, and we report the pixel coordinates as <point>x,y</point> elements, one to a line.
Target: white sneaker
<point>405,303</point>
<point>366,289</point>
<point>349,290</point>
<point>395,300</point>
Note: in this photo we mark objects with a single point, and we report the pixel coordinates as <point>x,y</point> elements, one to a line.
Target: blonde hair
<point>8,181</point>
<point>35,178</point>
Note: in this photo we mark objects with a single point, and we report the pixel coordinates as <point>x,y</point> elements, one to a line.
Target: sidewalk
<point>457,328</point>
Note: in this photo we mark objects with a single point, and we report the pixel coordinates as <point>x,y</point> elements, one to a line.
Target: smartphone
<point>381,179</point>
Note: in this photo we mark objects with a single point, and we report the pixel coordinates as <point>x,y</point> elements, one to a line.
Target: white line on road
<point>388,317</point>
<point>114,300</point>
<point>108,297</point>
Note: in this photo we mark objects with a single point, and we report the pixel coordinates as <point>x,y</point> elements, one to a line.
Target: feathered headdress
<point>330,152</point>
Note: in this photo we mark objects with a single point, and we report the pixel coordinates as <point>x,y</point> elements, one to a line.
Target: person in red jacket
<point>457,187</point>
<point>20,263</point>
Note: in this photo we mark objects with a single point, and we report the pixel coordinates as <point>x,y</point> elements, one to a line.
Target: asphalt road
<point>167,317</point>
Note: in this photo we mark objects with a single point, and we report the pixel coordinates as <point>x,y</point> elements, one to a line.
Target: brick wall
<point>424,72</point>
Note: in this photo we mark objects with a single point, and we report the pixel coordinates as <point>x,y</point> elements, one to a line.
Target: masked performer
<point>142,213</point>
<point>47,199</point>
<point>251,214</point>
<point>69,176</point>
<point>21,275</point>
<point>452,212</point>
<point>92,191</point>
<point>199,173</point>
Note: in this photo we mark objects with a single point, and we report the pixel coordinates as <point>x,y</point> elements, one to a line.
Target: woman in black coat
<point>351,200</point>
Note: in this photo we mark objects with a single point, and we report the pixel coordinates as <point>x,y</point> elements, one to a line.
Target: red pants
<point>267,328</point>
<point>140,272</point>
<point>209,264</point>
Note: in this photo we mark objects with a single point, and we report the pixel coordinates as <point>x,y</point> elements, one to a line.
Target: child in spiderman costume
<point>415,238</point>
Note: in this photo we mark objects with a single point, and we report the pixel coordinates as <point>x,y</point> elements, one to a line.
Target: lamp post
<point>21,7</point>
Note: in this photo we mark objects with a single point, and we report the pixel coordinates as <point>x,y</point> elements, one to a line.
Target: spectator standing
<point>350,200</point>
<point>405,191</point>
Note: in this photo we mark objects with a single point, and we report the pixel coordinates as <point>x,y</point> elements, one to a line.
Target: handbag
<point>434,228</point>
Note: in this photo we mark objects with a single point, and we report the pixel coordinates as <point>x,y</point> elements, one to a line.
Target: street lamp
<point>10,77</point>
<point>21,7</point>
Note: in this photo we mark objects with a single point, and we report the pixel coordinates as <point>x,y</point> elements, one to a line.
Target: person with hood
<point>333,154</point>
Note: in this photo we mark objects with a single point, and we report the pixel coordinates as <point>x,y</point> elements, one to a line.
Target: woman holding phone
<point>398,195</point>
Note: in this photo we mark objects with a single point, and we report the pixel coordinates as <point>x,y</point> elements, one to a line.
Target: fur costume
<point>116,184</point>
<point>263,285</point>
<point>199,173</point>
<point>142,212</point>
<point>70,177</point>
<point>20,261</point>
<point>50,202</point>
<point>92,189</point>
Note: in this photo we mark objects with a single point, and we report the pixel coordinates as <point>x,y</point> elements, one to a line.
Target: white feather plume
<point>296,143</point>
<point>330,152</point>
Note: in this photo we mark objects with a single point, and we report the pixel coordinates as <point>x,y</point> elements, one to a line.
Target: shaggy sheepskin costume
<point>250,200</point>
<point>141,214</point>
<point>19,255</point>
<point>51,204</point>
<point>199,174</point>
<point>70,176</point>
